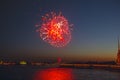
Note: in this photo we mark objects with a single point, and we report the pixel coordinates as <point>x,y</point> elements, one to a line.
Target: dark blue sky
<point>94,35</point>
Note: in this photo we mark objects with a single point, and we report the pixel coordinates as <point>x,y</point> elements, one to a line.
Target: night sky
<point>94,35</point>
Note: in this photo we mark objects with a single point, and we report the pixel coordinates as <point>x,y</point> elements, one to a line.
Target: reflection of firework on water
<point>55,30</point>
<point>54,74</point>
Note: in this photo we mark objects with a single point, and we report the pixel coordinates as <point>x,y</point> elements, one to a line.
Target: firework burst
<point>55,29</point>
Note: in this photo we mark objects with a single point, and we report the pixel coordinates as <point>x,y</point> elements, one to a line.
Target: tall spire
<point>118,54</point>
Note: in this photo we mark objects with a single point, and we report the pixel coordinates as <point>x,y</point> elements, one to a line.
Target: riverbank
<point>91,66</point>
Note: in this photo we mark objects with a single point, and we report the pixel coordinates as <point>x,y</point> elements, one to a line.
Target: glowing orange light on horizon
<point>54,74</point>
<point>55,30</point>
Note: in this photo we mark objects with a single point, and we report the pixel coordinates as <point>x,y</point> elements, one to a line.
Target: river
<point>45,73</point>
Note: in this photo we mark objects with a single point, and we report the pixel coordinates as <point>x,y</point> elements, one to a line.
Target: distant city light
<point>1,62</point>
<point>23,62</point>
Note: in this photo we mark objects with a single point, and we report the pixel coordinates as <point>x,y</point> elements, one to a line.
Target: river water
<point>45,73</point>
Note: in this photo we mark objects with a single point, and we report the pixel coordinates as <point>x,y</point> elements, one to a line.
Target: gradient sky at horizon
<point>94,36</point>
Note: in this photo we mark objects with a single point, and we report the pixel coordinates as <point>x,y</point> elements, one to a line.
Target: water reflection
<point>54,74</point>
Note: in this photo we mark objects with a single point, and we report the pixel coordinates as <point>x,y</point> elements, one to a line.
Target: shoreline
<point>92,66</point>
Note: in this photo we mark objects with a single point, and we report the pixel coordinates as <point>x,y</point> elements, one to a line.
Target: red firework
<point>55,30</point>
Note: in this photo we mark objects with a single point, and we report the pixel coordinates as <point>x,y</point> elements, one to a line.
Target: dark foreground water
<point>44,73</point>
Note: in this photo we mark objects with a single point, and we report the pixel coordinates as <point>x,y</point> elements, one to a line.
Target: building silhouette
<point>118,54</point>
